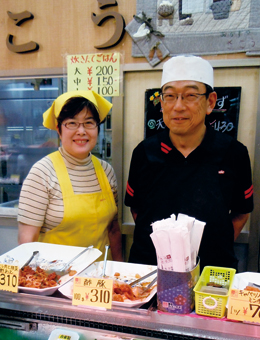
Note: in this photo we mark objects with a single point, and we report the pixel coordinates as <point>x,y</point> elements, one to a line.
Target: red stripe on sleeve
<point>249,192</point>
<point>129,190</point>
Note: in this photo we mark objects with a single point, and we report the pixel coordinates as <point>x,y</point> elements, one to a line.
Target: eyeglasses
<point>89,125</point>
<point>186,97</point>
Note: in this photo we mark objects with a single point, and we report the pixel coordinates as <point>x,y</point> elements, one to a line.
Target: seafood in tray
<point>123,274</point>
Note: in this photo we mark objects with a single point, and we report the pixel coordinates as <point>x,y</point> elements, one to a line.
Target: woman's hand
<point>27,233</point>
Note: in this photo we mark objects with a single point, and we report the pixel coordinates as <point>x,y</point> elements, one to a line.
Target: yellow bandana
<point>50,116</point>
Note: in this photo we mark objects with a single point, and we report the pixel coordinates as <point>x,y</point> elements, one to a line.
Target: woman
<point>69,197</point>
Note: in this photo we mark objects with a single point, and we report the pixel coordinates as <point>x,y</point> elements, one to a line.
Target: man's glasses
<point>89,125</point>
<point>186,97</point>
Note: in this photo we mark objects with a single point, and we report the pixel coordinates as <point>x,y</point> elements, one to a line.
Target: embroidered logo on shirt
<point>129,190</point>
<point>165,148</point>
<point>249,192</point>
<point>221,172</point>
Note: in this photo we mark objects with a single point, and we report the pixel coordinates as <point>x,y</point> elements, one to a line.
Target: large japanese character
<point>106,3</point>
<point>20,18</point>
<point>119,31</point>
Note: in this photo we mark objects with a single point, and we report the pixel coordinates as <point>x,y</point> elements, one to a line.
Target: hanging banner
<point>98,72</point>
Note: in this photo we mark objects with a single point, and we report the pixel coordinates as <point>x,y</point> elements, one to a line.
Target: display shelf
<point>142,323</point>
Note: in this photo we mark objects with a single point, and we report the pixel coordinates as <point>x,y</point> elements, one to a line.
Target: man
<point>190,168</point>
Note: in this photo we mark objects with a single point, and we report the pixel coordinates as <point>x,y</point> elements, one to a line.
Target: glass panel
<point>23,139</point>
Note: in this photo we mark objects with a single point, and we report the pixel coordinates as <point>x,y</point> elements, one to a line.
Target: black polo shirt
<point>212,184</point>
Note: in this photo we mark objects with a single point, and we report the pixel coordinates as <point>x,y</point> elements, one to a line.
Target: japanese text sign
<point>97,72</point>
<point>9,277</point>
<point>94,292</point>
<point>244,305</point>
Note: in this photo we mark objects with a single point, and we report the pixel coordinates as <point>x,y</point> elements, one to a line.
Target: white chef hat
<point>187,68</point>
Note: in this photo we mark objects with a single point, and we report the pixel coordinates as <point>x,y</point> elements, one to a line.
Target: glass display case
<point>23,139</point>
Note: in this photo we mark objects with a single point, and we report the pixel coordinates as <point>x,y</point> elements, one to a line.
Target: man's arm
<point>115,240</point>
<point>238,223</point>
<point>134,213</point>
<point>27,233</point>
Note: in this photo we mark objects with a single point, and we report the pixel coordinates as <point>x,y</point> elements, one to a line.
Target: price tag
<point>95,292</point>
<point>9,275</point>
<point>244,305</point>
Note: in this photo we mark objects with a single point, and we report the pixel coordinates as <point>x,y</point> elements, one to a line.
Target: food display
<point>51,258</point>
<point>122,274</point>
<point>123,291</point>
<point>38,278</point>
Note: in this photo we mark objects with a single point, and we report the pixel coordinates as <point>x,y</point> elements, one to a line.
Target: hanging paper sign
<point>244,305</point>
<point>97,72</point>
<point>94,292</point>
<point>9,275</point>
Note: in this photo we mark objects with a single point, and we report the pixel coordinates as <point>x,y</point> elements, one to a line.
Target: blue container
<point>175,290</point>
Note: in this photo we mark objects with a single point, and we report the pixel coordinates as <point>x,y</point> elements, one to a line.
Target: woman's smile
<point>80,142</point>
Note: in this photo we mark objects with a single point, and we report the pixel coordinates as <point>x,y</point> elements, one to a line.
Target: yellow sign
<point>95,292</point>
<point>9,275</point>
<point>244,305</point>
<point>98,72</point>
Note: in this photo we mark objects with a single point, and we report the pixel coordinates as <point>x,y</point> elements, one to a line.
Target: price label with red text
<point>244,305</point>
<point>94,292</point>
<point>9,275</point>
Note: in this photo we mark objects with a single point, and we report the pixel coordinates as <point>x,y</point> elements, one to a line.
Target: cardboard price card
<point>95,292</point>
<point>244,305</point>
<point>9,275</point>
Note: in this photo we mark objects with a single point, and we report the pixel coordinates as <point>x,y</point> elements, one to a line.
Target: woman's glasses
<point>89,125</point>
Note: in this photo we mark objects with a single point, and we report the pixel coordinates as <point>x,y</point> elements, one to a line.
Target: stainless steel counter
<point>36,316</point>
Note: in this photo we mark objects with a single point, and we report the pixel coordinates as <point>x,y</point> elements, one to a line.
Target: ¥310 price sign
<point>244,305</point>
<point>95,292</point>
<point>9,275</point>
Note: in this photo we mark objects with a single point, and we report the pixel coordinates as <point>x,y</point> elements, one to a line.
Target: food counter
<point>36,311</point>
<point>28,316</point>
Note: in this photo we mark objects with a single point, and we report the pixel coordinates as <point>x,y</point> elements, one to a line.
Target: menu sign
<point>244,305</point>
<point>9,275</point>
<point>95,292</point>
<point>98,72</point>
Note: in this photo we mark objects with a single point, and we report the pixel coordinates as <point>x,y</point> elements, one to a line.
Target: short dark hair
<point>209,89</point>
<point>75,105</point>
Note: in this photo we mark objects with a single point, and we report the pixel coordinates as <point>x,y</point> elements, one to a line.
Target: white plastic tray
<point>50,252</point>
<point>241,280</point>
<point>127,272</point>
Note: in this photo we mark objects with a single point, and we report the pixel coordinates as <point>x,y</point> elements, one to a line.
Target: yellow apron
<point>86,216</point>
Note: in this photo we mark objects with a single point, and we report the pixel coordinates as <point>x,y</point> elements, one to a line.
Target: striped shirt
<point>41,202</point>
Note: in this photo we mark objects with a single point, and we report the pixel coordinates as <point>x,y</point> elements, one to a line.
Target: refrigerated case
<point>24,316</point>
<point>23,139</point>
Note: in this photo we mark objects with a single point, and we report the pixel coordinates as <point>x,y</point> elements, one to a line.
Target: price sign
<point>95,292</point>
<point>244,305</point>
<point>99,72</point>
<point>9,275</point>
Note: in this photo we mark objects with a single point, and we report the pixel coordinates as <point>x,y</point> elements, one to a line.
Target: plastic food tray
<point>213,304</point>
